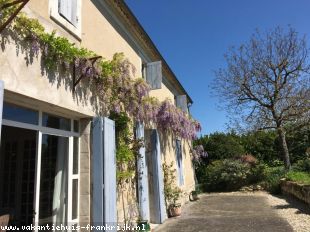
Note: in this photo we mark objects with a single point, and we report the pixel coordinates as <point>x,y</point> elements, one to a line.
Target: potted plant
<point>143,225</point>
<point>171,191</point>
<point>174,208</point>
<point>193,196</point>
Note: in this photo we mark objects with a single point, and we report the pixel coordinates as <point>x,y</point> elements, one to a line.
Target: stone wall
<point>302,192</point>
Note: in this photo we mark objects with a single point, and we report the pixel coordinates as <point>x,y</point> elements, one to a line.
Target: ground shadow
<point>293,203</point>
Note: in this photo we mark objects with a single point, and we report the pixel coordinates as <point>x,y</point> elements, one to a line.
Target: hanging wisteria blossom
<point>112,83</point>
<point>198,154</point>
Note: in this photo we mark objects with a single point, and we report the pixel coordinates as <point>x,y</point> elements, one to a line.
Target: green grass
<point>299,177</point>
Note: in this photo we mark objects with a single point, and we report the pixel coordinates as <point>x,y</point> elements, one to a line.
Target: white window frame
<point>51,131</point>
<point>54,14</point>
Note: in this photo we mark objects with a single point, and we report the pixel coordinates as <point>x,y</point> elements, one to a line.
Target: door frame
<point>56,132</point>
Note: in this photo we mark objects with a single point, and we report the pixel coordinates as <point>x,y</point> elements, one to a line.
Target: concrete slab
<point>227,213</point>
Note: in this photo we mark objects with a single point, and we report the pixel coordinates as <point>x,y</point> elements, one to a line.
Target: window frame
<point>62,21</point>
<point>41,130</point>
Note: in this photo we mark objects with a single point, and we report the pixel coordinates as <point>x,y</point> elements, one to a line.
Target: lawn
<point>299,177</point>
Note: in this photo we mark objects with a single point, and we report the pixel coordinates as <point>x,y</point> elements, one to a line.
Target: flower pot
<point>193,196</point>
<point>143,225</point>
<point>175,211</point>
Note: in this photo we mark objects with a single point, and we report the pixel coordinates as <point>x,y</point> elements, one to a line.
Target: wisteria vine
<point>198,154</point>
<point>112,81</point>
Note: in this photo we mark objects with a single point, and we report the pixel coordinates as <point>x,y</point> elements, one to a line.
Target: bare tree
<point>266,83</point>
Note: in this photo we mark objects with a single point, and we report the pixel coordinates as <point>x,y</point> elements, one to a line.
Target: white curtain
<point>60,183</point>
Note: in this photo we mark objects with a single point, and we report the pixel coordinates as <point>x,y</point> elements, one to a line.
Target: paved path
<point>229,212</point>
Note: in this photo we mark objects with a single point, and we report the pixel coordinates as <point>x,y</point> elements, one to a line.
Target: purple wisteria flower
<point>198,154</point>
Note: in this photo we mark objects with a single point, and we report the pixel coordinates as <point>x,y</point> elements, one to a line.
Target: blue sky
<point>193,35</point>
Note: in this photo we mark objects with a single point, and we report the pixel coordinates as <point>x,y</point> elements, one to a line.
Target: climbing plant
<point>111,80</point>
<point>172,193</point>
<point>127,148</point>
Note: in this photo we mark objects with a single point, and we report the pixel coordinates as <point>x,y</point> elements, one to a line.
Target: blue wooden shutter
<point>1,104</point>
<point>97,171</point>
<point>181,102</point>
<point>104,172</point>
<point>158,179</point>
<point>143,177</point>
<point>109,166</point>
<point>179,159</point>
<point>154,74</point>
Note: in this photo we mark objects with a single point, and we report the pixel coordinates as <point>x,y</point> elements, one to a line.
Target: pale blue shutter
<point>154,74</point>
<point>109,166</point>
<point>181,102</point>
<point>142,177</point>
<point>97,171</point>
<point>158,179</point>
<point>179,159</point>
<point>104,172</point>
<point>1,104</point>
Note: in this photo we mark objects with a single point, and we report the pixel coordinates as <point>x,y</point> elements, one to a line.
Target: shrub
<point>226,175</point>
<point>257,174</point>
<point>273,175</point>
<point>302,166</point>
<point>249,159</point>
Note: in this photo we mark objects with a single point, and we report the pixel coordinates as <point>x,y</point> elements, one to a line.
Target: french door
<point>55,184</point>
<point>52,181</point>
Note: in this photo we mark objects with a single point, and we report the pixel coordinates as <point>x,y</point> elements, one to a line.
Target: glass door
<point>53,190</point>
<point>39,167</point>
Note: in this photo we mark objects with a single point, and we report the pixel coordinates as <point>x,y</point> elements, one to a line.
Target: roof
<point>127,16</point>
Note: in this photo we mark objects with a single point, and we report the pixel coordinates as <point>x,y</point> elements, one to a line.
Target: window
<point>76,126</point>
<point>68,10</point>
<point>56,122</point>
<point>68,14</point>
<point>44,168</point>
<point>20,114</point>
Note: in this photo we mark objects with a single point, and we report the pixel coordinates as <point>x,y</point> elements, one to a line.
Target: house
<point>58,153</point>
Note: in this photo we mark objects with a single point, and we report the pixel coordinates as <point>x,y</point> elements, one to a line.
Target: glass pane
<point>76,126</point>
<point>75,194</point>
<point>56,122</point>
<point>20,114</point>
<point>17,167</point>
<point>76,155</point>
<point>53,180</point>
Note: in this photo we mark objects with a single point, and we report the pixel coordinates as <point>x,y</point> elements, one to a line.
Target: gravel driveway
<point>240,212</point>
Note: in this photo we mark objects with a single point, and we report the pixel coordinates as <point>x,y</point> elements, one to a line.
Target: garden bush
<point>302,166</point>
<point>257,173</point>
<point>230,175</point>
<point>272,179</point>
<point>249,159</point>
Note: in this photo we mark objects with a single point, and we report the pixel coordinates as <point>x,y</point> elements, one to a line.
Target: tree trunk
<point>285,153</point>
